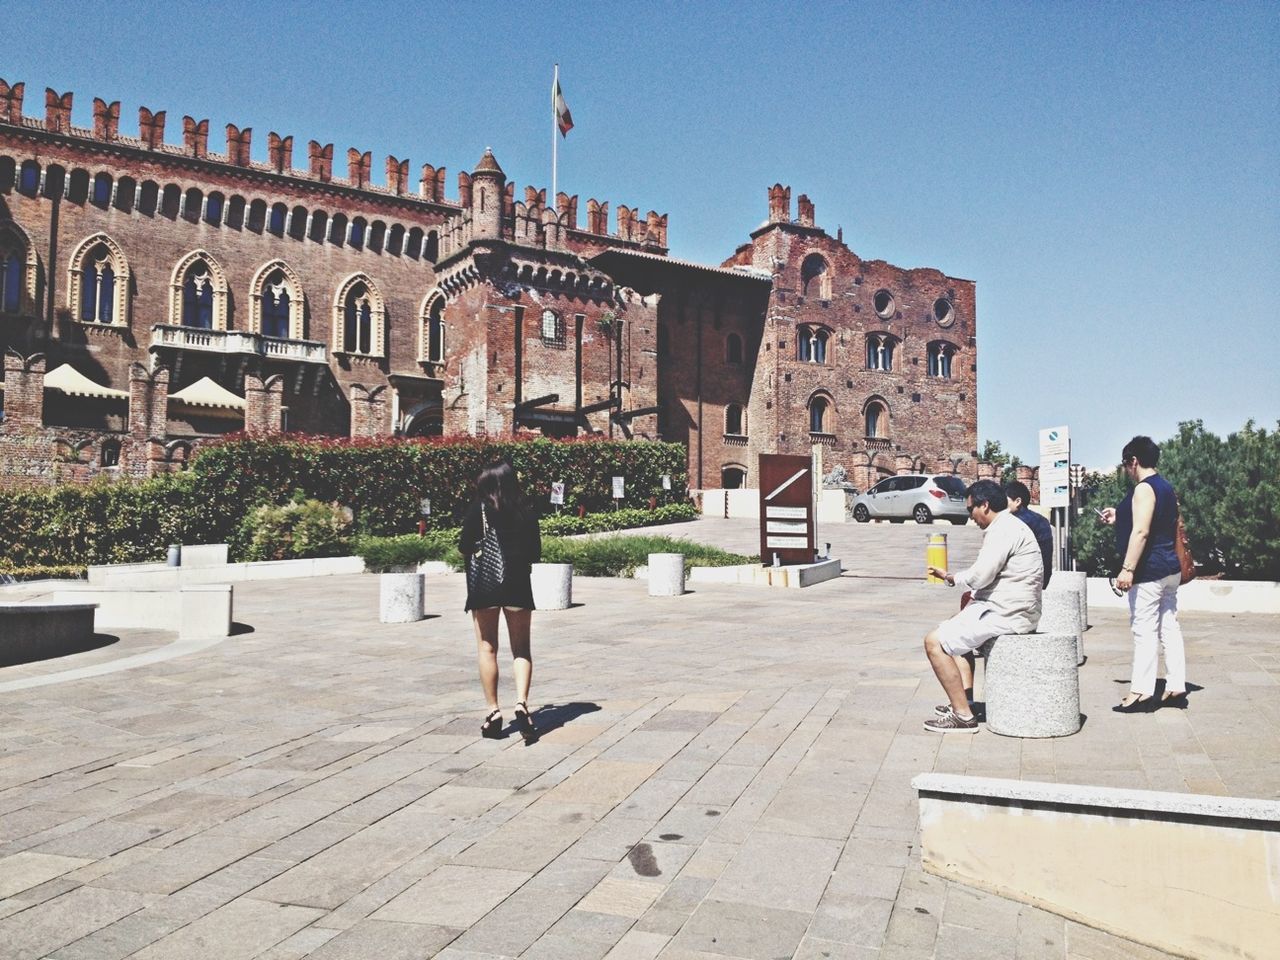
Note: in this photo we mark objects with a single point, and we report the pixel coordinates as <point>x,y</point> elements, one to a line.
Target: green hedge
<point>621,555</point>
<point>380,481</point>
<point>567,525</point>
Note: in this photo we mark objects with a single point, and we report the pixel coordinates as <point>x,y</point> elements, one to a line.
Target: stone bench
<point>1031,685</point>
<point>36,631</point>
<point>1061,612</point>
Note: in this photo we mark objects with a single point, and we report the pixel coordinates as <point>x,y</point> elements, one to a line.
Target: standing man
<point>1019,505</point>
<point>1006,581</point>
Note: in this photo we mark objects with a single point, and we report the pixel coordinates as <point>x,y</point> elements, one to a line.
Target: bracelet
<point>1126,570</point>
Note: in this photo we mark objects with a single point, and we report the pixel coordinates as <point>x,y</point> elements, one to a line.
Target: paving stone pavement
<point>722,775</point>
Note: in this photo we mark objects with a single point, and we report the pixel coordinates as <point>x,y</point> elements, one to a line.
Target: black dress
<point>521,547</point>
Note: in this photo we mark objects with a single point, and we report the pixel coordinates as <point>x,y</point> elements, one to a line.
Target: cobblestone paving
<point>725,774</point>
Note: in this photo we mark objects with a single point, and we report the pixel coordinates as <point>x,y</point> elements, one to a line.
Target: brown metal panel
<point>786,502</point>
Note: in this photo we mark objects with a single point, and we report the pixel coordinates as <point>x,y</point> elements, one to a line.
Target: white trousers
<point>1153,617</point>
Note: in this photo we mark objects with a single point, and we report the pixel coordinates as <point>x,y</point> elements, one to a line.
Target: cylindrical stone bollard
<point>1060,613</point>
<point>400,597</point>
<point>174,556</point>
<point>935,555</point>
<point>1031,685</point>
<point>552,585</point>
<point>1078,581</point>
<point>666,574</point>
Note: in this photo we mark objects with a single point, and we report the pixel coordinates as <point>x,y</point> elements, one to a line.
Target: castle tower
<point>487,185</point>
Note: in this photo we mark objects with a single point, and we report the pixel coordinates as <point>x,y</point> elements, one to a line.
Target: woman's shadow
<point>553,716</point>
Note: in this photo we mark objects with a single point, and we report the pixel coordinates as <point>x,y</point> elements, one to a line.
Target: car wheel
<point>860,513</point>
<point>921,514</point>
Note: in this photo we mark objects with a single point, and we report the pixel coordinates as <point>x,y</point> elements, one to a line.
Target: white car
<point>913,496</point>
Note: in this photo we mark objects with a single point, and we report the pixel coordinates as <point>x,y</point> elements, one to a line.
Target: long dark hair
<point>497,489</point>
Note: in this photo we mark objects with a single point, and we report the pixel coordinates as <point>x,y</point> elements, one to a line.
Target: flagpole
<point>555,85</point>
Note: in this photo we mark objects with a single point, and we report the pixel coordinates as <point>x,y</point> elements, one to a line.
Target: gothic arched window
<point>819,421</point>
<point>198,293</point>
<point>815,277</point>
<point>197,297</point>
<point>359,318</point>
<point>880,348</point>
<point>276,307</point>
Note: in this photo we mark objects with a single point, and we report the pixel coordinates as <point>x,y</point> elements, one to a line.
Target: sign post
<point>786,509</point>
<point>1055,487</point>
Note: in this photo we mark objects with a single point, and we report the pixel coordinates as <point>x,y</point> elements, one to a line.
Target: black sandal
<point>491,729</point>
<point>524,723</point>
<point>1141,705</point>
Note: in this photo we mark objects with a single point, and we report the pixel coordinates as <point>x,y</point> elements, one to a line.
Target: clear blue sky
<point>1108,173</point>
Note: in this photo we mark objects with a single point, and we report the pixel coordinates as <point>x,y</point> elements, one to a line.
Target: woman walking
<point>1146,524</point>
<point>498,520</point>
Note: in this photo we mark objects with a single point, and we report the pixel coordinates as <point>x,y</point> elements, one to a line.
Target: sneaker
<point>951,722</point>
<point>945,708</point>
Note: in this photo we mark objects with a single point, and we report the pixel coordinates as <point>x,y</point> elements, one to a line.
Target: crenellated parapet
<point>195,145</point>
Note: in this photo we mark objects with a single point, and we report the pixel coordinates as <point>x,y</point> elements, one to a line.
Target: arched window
<point>8,171</point>
<point>29,178</point>
<point>110,453</point>
<point>395,240</point>
<point>319,222</point>
<point>735,420</point>
<point>192,206</point>
<point>413,244</point>
<point>257,219</point>
<point>126,194</point>
<point>18,271</point>
<point>940,355</point>
<point>815,277</point>
<point>819,415</point>
<point>733,348</point>
<point>432,347</point>
<point>377,236</point>
<point>170,201</point>
<point>431,251</point>
<point>198,293</point>
<point>876,417</point>
<point>880,348</point>
<point>214,204</point>
<point>338,230</point>
<point>552,329</point>
<point>77,185</point>
<point>358,228</point>
<point>298,223</point>
<point>811,344</point>
<point>276,306</point>
<point>55,182</point>
<point>733,477</point>
<point>359,317</point>
<point>102,190</point>
<point>279,214</point>
<point>98,286</point>
<point>149,198</point>
<point>235,212</point>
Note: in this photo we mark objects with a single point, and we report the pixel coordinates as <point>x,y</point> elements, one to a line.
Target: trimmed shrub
<point>619,556</point>
<point>295,531</point>
<point>60,572</point>
<point>382,553</point>
<point>567,525</point>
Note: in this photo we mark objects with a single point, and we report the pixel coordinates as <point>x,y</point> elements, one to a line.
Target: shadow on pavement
<point>552,716</point>
<point>13,658</point>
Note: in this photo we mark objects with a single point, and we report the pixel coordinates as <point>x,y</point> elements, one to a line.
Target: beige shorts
<point>971,628</point>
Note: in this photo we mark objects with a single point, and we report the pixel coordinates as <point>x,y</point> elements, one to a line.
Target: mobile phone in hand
<point>1101,515</point>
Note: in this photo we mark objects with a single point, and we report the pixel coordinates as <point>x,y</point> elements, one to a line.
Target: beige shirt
<point>1009,572</point>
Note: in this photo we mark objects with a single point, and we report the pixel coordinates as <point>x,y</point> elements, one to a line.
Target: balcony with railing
<point>879,443</point>
<point>237,342</point>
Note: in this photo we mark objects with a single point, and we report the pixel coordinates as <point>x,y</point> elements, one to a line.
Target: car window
<point>950,483</point>
<point>912,483</point>
<point>884,486</point>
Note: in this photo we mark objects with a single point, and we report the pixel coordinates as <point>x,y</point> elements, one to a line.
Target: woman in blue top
<point>1146,523</point>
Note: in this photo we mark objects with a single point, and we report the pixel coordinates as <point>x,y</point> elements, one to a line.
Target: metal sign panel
<point>786,508</point>
<point>1055,467</point>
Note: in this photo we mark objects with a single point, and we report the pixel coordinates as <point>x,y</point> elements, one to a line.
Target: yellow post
<point>935,555</point>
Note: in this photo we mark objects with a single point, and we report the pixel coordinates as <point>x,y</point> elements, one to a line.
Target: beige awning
<point>74,383</point>
<point>208,393</point>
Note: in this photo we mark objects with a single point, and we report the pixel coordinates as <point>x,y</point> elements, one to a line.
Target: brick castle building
<point>154,295</point>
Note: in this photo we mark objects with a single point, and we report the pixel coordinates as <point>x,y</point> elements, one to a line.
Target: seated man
<point>1006,583</point>
<point>1019,500</point>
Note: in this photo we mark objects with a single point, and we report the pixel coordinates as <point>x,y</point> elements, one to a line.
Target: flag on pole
<point>563,119</point>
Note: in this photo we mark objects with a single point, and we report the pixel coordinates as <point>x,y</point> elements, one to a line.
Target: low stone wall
<point>35,630</point>
<point>1208,596</point>
<point>1191,875</point>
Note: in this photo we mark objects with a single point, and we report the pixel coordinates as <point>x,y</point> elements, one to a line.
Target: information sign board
<point>557,492</point>
<point>618,488</point>
<point>1055,467</point>
<point>786,508</point>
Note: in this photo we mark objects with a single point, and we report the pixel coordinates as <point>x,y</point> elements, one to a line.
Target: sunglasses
<point>1111,581</point>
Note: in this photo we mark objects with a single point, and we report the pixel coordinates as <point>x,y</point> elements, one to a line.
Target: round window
<point>884,304</point>
<point>944,312</point>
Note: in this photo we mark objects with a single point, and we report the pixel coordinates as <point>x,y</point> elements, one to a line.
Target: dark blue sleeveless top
<point>1159,559</point>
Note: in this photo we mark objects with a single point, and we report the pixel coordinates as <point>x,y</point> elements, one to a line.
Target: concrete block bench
<point>666,574</point>
<point>1078,582</point>
<point>1031,685</point>
<point>552,585</point>
<point>36,631</point>
<point>1060,613</point>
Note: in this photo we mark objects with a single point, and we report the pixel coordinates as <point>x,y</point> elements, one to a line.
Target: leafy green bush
<point>383,553</point>
<point>295,531</point>
<point>57,572</point>
<point>565,525</point>
<point>619,556</point>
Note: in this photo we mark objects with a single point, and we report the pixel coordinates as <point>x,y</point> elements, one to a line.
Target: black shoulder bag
<point>487,567</point>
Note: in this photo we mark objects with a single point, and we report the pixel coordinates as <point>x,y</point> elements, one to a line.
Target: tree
<point>1008,463</point>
